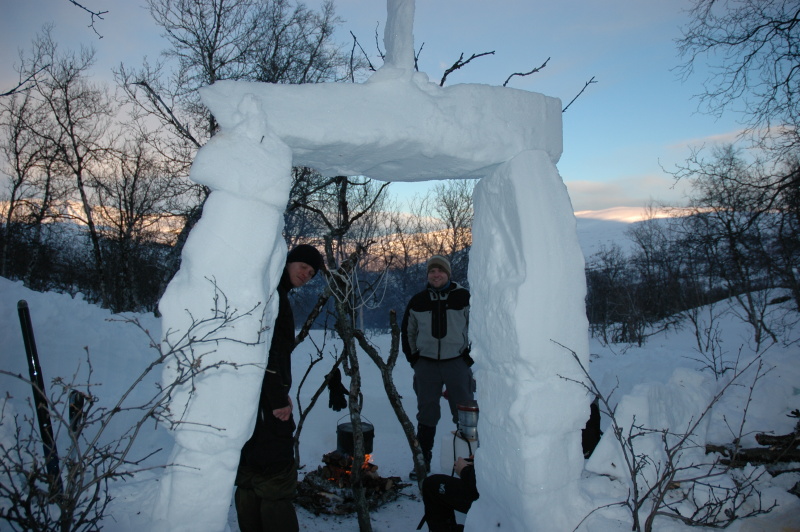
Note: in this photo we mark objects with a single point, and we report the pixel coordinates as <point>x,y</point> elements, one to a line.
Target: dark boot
<point>425,437</point>
<point>448,526</point>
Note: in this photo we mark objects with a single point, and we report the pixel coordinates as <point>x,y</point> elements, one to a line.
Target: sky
<point>621,136</point>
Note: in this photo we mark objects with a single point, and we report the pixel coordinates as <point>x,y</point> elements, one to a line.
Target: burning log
<point>328,489</point>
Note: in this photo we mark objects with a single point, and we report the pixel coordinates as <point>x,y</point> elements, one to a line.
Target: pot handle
<point>363,417</point>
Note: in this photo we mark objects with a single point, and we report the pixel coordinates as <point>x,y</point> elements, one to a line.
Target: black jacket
<point>470,482</point>
<point>271,447</point>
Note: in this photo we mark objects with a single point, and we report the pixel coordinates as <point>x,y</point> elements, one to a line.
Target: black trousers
<point>443,495</point>
<point>264,501</point>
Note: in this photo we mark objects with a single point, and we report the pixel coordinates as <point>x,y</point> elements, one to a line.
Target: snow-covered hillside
<point>67,328</point>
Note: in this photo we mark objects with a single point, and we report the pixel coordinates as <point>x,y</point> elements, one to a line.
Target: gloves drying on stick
<point>337,393</point>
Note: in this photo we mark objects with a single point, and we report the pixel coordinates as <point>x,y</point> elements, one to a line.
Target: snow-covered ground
<point>65,328</point>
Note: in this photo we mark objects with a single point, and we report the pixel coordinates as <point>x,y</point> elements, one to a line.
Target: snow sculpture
<point>526,269</point>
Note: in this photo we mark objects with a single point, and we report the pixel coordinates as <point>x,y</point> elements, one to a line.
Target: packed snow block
<point>398,36</point>
<point>232,242</point>
<point>225,293</point>
<point>187,484</point>
<point>247,158</point>
<point>540,407</point>
<point>528,288</point>
<point>648,410</point>
<point>400,126</point>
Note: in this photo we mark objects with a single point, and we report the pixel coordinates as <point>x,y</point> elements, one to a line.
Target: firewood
<point>786,441</point>
<point>744,456</point>
<point>328,489</point>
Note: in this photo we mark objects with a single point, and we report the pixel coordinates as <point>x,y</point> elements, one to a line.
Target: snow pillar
<point>231,266</point>
<point>528,286</point>
<point>398,36</point>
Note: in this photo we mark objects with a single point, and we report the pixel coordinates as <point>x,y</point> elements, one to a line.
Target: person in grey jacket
<point>436,344</point>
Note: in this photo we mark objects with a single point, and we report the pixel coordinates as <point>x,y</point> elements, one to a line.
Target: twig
<point>23,82</point>
<point>460,63</point>
<point>564,110</point>
<point>156,98</point>
<point>94,14</point>
<point>378,42</point>
<point>537,69</point>
<point>356,43</point>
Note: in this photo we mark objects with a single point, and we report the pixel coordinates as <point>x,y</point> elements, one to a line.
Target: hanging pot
<point>344,437</point>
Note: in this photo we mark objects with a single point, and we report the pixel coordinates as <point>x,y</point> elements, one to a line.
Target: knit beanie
<point>307,254</point>
<point>439,262</point>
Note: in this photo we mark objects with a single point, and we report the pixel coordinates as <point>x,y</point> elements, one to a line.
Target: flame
<point>346,472</point>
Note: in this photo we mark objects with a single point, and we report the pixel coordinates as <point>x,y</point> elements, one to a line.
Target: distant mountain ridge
<point>602,228</point>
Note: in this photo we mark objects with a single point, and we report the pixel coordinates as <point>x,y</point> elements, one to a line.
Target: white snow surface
<point>66,327</point>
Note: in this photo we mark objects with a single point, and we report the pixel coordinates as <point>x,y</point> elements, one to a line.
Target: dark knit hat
<point>439,262</point>
<point>308,254</point>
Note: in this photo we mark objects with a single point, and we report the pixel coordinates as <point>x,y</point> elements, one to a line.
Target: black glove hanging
<point>337,393</point>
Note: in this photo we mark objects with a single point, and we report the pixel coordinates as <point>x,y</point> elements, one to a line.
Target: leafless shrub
<point>99,438</point>
<point>672,484</point>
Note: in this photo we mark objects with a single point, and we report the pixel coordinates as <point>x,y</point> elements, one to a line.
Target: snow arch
<point>526,269</point>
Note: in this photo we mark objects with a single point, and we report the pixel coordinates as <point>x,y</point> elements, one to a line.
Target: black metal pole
<point>40,400</point>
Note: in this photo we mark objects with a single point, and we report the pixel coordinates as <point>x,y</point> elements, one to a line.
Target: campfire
<point>328,490</point>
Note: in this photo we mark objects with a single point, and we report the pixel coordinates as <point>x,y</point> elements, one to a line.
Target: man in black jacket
<point>436,344</point>
<point>267,476</point>
<point>443,495</point>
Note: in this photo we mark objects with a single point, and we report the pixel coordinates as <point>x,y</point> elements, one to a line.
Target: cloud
<point>636,192</point>
<point>730,137</point>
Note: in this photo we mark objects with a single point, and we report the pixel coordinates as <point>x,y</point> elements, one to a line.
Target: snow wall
<point>526,273</point>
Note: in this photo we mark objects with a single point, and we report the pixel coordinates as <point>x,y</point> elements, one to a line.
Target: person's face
<point>437,277</point>
<point>299,273</point>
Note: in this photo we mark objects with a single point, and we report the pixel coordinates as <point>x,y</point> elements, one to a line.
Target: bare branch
<point>537,69</point>
<point>564,110</point>
<point>21,84</point>
<point>460,63</point>
<point>162,105</point>
<point>102,443</point>
<point>717,504</point>
<point>378,43</point>
<point>94,15</point>
<point>395,399</point>
<point>356,43</point>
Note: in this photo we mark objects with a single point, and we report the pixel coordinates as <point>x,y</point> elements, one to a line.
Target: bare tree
<point>78,128</point>
<point>610,301</point>
<point>343,209</point>
<point>730,217</point>
<point>212,40</point>
<point>386,368</point>
<point>751,46</point>
<point>133,200</point>
<point>22,152</point>
<point>452,203</point>
<point>442,223</point>
<point>658,264</point>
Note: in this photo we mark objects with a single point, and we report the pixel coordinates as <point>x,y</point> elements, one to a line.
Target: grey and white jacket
<point>435,324</point>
